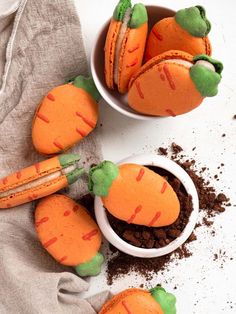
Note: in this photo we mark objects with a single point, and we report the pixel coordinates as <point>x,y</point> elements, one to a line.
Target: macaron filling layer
<point>40,181</point>
<point>119,42</point>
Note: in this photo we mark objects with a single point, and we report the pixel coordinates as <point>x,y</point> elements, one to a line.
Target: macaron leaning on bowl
<point>174,83</point>
<point>186,31</point>
<point>125,44</point>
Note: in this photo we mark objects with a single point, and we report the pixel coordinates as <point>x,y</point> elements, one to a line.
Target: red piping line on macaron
<point>155,218</point>
<point>140,175</point>
<point>132,64</point>
<point>50,97</point>
<point>170,112</point>
<point>58,145</point>
<point>87,121</point>
<point>89,235</point>
<point>4,181</point>
<point>134,48</point>
<point>50,242</point>
<point>41,221</point>
<point>18,175</point>
<point>157,35</point>
<point>75,208</point>
<point>62,259</point>
<point>126,307</point>
<point>67,213</point>
<point>81,133</point>
<point>42,117</point>
<point>37,167</point>
<point>137,84</point>
<point>164,187</point>
<point>133,216</point>
<point>169,77</point>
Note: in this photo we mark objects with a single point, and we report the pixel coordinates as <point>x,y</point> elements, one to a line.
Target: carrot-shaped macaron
<point>135,194</point>
<point>139,301</point>
<point>174,83</point>
<point>67,231</point>
<point>125,44</point>
<point>39,180</point>
<point>66,115</point>
<point>186,31</point>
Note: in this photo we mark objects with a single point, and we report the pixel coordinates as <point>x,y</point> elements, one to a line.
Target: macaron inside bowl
<point>139,301</point>
<point>39,180</point>
<point>174,83</point>
<point>135,194</point>
<point>125,44</point>
<point>186,31</point>
<point>66,115</point>
<point>67,231</point>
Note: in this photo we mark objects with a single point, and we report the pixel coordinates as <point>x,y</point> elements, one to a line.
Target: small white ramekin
<point>178,172</point>
<point>113,98</point>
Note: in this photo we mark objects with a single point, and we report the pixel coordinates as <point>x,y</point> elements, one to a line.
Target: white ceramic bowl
<point>177,171</point>
<point>113,98</point>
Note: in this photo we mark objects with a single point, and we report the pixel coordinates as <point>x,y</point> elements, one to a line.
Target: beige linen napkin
<point>40,47</point>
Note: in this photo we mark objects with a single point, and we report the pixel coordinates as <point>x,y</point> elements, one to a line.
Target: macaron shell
<point>131,55</point>
<point>140,196</point>
<point>66,230</point>
<point>30,195</point>
<point>110,48</point>
<point>30,174</point>
<point>135,301</point>
<point>66,115</point>
<point>167,34</point>
<point>163,89</point>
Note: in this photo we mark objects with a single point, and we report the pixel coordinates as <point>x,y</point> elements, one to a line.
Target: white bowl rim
<point>134,115</point>
<point>181,174</point>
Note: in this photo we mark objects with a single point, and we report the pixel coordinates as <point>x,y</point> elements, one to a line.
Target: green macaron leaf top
<point>87,84</point>
<point>68,159</point>
<point>92,267</point>
<point>74,175</point>
<point>205,79</point>
<point>194,21</point>
<point>217,64</point>
<point>139,16</point>
<point>121,9</point>
<point>166,300</point>
<point>101,178</point>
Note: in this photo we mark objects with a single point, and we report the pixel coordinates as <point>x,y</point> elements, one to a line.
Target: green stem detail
<point>91,268</point>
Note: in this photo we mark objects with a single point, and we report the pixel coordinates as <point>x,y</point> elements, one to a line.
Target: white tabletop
<point>203,285</point>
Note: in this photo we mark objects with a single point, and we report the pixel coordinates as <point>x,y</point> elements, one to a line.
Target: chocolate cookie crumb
<point>162,151</point>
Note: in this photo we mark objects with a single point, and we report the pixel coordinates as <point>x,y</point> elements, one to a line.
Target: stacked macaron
<point>178,72</point>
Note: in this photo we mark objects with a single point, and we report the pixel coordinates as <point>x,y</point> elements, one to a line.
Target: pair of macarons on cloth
<point>177,74</point>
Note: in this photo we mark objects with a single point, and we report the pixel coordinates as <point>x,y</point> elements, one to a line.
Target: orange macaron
<point>125,44</point>
<point>39,180</point>
<point>66,115</point>
<point>186,31</point>
<point>139,301</point>
<point>67,231</point>
<point>174,83</point>
<point>135,194</point>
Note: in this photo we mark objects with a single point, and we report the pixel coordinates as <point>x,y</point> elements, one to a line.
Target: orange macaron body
<point>66,115</point>
<point>135,194</point>
<point>66,230</point>
<point>170,34</point>
<point>173,83</point>
<point>125,44</point>
<point>136,301</point>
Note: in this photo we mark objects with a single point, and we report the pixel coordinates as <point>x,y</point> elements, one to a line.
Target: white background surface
<point>203,285</point>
